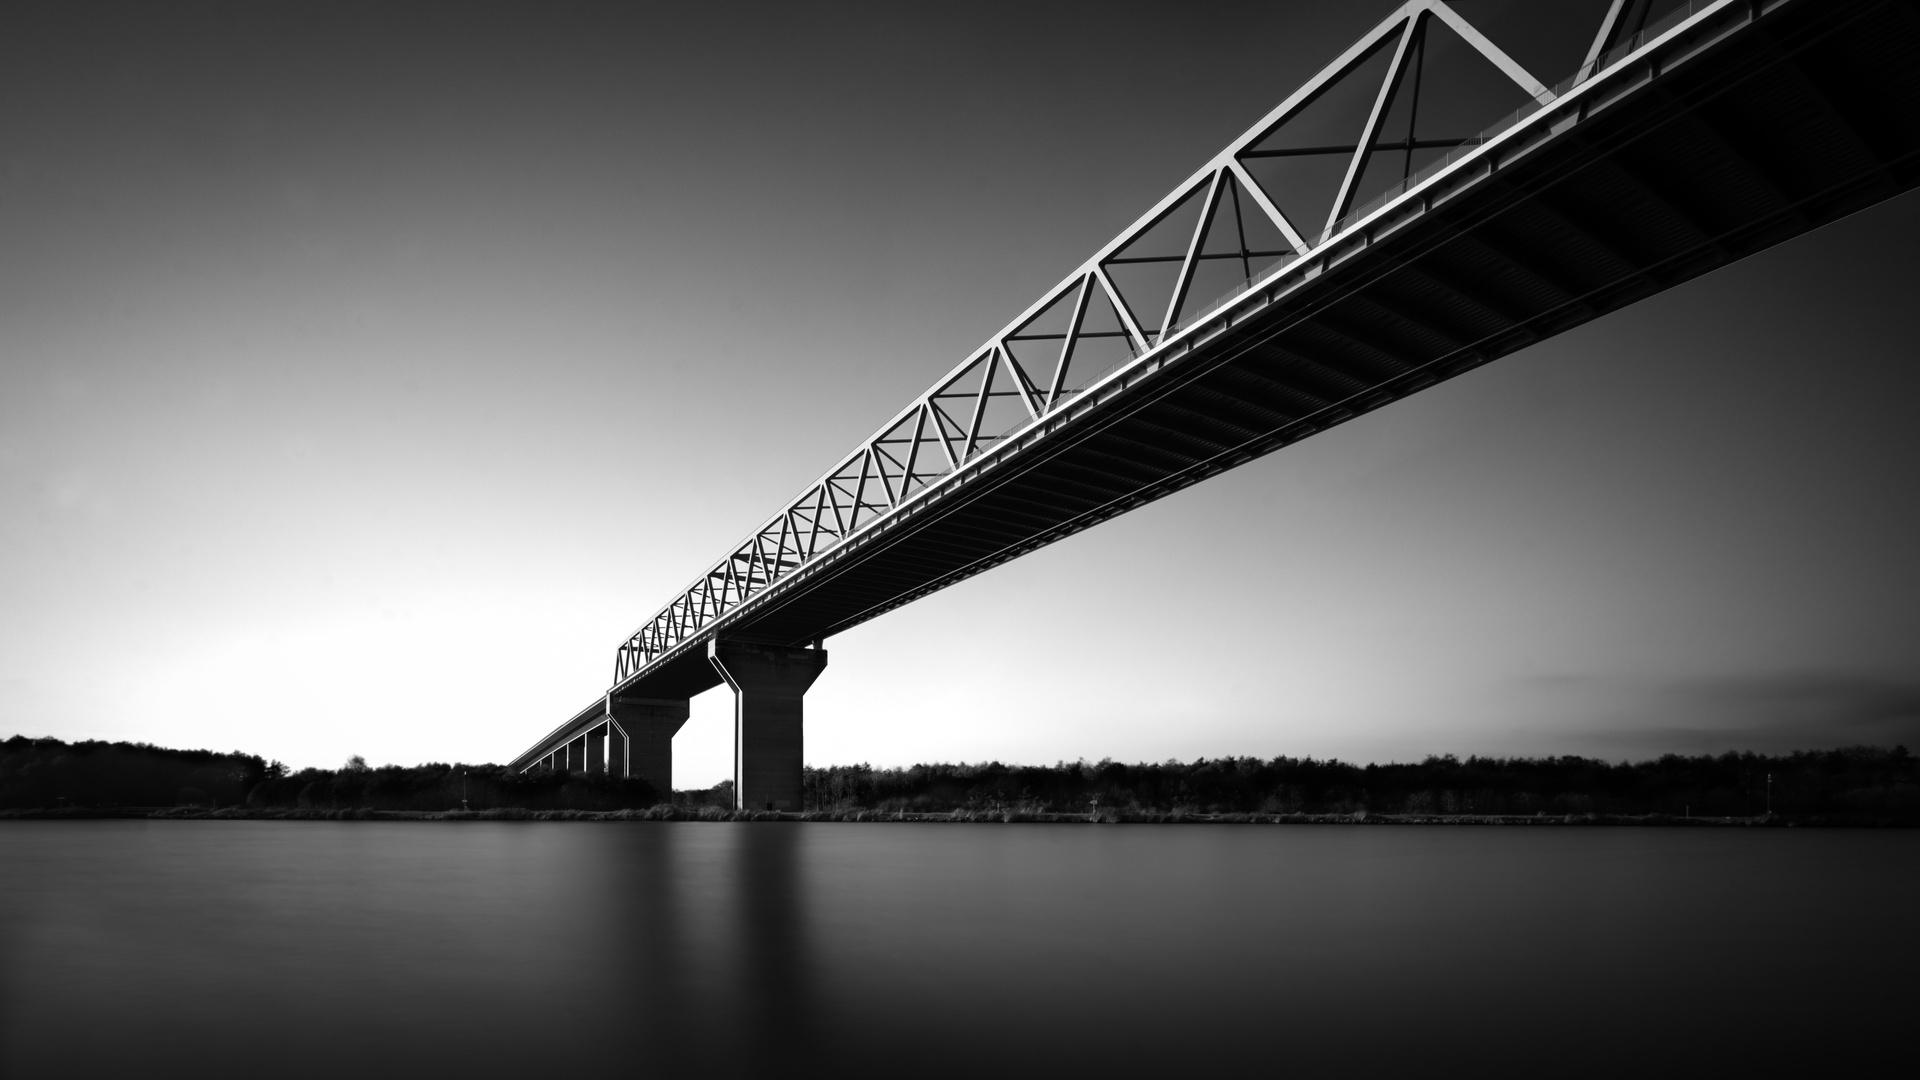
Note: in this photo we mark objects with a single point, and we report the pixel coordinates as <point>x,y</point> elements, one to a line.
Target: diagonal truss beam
<point>874,482</point>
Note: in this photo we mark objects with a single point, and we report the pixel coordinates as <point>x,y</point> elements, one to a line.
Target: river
<point>215,948</point>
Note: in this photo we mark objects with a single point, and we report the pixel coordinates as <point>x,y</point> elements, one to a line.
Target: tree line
<point>1853,783</point>
<point>1857,783</point>
<point>49,773</point>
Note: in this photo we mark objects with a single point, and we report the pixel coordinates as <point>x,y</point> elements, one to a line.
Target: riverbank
<point>1854,785</point>
<point>982,817</point>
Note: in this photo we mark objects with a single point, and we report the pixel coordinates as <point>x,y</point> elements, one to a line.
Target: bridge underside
<point>1792,121</point>
<point>1801,121</point>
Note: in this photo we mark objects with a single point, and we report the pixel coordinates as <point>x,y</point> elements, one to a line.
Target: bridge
<point>1421,206</point>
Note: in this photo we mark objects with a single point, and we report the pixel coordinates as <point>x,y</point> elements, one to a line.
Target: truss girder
<point>1675,148</point>
<point>949,426</point>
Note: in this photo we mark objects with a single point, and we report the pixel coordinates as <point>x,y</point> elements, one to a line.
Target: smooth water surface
<point>505,949</point>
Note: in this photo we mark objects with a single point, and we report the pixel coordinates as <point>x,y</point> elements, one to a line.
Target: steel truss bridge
<point>1421,206</point>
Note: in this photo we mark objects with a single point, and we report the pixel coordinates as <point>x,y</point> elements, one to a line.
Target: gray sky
<point>367,374</point>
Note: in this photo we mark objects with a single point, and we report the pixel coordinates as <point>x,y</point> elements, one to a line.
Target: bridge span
<point>1421,206</point>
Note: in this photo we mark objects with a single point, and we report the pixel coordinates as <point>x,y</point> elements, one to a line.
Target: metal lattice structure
<point>1038,369</point>
<point>1421,206</point>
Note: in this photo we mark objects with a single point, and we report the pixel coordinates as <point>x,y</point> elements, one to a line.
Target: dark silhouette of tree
<point>1861,784</point>
<point>49,772</point>
<point>1864,782</point>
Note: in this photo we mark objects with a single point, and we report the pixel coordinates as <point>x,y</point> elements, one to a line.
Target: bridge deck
<point>1767,121</point>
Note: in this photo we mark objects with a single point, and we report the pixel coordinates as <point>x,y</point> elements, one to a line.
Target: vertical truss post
<point>980,406</point>
<point>1185,280</point>
<point>1074,323</point>
<point>1138,343</point>
<point>1601,39</point>
<point>1381,103</point>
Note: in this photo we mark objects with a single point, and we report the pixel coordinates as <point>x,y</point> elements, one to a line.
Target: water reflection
<point>707,960</point>
<point>506,949</point>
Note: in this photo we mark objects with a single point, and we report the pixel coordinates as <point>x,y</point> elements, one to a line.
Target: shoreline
<point>964,817</point>
<point>1851,785</point>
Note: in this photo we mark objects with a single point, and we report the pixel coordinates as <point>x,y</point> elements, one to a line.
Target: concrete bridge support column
<point>577,754</point>
<point>616,750</point>
<point>642,734</point>
<point>596,750</point>
<point>768,684</point>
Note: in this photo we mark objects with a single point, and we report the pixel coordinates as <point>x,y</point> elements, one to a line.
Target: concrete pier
<point>596,750</point>
<point>643,730</point>
<point>769,683</point>
<point>616,749</point>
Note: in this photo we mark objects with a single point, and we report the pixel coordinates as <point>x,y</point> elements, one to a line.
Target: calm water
<point>134,948</point>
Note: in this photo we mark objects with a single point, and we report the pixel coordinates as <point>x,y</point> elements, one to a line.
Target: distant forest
<point>1855,784</point>
<point>49,774</point>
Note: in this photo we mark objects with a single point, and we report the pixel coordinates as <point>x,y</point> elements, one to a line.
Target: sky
<point>369,372</point>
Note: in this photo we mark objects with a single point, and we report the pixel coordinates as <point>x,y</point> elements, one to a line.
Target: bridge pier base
<point>641,735</point>
<point>768,682</point>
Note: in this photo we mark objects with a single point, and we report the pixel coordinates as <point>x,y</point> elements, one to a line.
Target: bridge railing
<point>1107,315</point>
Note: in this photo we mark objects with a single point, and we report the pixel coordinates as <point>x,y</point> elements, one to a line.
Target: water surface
<point>506,949</point>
